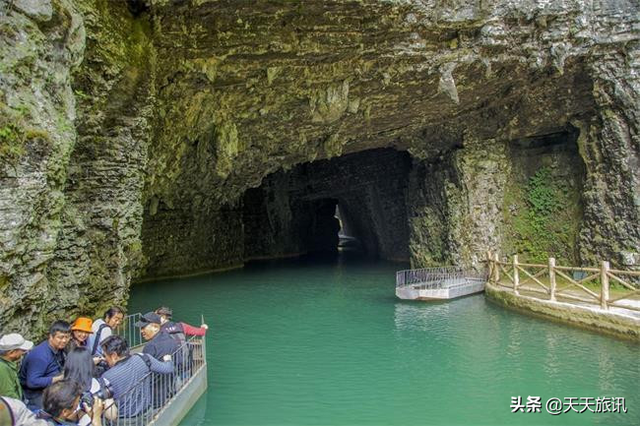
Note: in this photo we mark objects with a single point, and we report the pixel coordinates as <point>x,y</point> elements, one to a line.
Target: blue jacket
<point>131,383</point>
<point>38,368</point>
<point>161,344</point>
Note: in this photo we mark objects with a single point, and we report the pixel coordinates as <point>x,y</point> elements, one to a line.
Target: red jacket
<point>190,330</point>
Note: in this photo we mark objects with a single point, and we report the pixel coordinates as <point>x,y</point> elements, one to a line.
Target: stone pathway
<point>595,306</point>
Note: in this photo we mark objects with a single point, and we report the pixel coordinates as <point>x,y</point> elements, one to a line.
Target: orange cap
<point>82,324</point>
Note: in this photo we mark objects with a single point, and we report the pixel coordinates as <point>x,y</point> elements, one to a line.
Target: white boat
<point>439,283</point>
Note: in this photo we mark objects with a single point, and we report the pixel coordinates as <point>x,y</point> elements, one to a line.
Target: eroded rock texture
<point>153,137</point>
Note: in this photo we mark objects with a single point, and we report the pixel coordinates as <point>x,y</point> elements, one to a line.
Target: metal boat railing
<point>128,330</point>
<point>439,277</point>
<point>154,393</point>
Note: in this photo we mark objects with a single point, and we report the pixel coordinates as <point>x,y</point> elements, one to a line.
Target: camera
<point>105,392</point>
<point>100,368</point>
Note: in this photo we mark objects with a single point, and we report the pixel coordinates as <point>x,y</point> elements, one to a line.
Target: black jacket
<point>162,344</point>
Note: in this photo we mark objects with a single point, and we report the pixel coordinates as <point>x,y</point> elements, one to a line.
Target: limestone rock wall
<point>120,159</point>
<point>99,239</point>
<point>40,44</point>
<point>543,208</point>
<point>275,225</point>
<point>186,239</point>
<point>610,145</point>
<point>456,205</point>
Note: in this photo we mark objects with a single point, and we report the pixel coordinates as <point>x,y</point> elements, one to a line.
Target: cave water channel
<point>325,342</point>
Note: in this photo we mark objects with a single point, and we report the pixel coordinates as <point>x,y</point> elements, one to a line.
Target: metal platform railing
<point>147,401</point>
<point>129,331</point>
<point>439,277</point>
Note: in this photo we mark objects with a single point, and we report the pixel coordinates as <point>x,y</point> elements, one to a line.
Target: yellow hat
<point>82,324</point>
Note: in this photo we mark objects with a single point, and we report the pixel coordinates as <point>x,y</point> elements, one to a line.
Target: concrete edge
<point>611,323</point>
<point>154,278</point>
<point>181,403</point>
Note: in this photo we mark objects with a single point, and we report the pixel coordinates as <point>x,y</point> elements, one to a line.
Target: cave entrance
<point>324,227</point>
<point>347,241</point>
<point>351,203</point>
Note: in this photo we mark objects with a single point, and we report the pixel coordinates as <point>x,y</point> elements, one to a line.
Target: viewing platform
<point>168,397</point>
<point>438,283</point>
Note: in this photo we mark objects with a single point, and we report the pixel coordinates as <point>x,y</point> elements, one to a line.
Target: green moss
<point>80,94</point>
<point>541,217</point>
<point>15,132</point>
<point>428,244</point>
<point>11,143</point>
<point>4,281</point>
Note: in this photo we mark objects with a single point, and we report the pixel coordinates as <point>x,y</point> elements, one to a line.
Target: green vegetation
<point>543,217</point>
<point>81,94</point>
<point>14,133</point>
<point>11,143</point>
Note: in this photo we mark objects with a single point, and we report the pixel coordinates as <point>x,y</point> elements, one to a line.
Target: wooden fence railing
<point>559,281</point>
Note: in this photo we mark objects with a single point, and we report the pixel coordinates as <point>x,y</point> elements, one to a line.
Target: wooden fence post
<point>552,278</point>
<point>496,269</point>
<point>604,279</point>
<point>516,274</point>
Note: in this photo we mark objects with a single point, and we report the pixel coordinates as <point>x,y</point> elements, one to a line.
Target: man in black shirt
<point>159,344</point>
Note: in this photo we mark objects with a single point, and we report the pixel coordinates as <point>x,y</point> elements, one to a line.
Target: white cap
<point>12,341</point>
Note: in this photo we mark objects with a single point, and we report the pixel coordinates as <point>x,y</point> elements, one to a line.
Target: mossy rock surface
<point>145,124</point>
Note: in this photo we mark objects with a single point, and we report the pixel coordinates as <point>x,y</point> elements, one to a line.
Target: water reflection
<point>424,316</point>
<point>552,366</point>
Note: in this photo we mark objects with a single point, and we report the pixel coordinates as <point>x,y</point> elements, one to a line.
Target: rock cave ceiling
<point>137,134</point>
<point>254,89</point>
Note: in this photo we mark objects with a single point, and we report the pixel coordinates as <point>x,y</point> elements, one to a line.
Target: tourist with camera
<point>65,403</point>
<point>79,368</point>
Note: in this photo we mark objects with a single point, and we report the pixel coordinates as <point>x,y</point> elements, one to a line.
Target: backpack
<point>96,341</point>
<point>146,359</point>
<point>177,333</point>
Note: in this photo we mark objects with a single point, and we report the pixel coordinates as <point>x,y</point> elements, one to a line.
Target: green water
<point>327,343</point>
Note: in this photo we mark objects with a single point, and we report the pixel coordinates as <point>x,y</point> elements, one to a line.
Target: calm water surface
<point>306,342</point>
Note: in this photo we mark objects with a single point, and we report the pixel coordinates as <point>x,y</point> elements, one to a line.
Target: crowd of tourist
<point>84,374</point>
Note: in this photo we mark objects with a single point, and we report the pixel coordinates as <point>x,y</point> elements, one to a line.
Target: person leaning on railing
<point>128,376</point>
<point>178,330</point>
<point>159,344</point>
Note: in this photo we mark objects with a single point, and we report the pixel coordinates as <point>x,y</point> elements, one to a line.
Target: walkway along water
<point>168,397</point>
<point>578,295</point>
